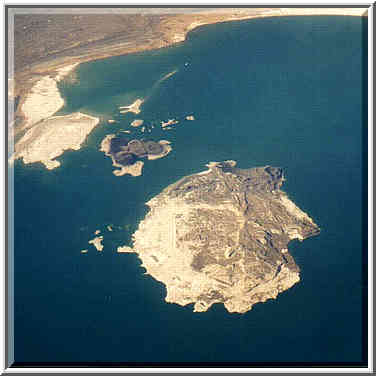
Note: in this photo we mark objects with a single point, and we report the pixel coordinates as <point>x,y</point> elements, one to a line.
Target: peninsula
<point>49,138</point>
<point>44,99</point>
<point>221,236</point>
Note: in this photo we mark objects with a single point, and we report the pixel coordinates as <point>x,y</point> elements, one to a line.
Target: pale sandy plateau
<point>44,98</point>
<point>51,137</point>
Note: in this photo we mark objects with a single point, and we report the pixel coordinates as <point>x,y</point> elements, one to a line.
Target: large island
<point>221,236</point>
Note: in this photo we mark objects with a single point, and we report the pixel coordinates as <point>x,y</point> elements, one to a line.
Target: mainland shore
<point>37,72</point>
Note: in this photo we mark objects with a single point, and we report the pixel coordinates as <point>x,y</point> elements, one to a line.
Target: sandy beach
<point>125,249</point>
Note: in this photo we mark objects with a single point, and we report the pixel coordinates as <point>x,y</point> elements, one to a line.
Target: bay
<point>286,92</point>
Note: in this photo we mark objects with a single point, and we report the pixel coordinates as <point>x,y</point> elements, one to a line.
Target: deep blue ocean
<point>286,92</point>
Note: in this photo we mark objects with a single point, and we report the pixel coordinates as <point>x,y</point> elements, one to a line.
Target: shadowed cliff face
<point>222,236</point>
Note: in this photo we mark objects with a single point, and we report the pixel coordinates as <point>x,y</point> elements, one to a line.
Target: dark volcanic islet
<point>126,153</point>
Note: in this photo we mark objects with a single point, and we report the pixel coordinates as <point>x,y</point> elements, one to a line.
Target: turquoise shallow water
<point>286,92</point>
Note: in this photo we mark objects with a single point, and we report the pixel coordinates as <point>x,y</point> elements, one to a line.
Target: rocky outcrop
<point>125,153</point>
<point>221,236</point>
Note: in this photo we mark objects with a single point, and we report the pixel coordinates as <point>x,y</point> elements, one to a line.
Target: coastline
<point>36,86</point>
<point>173,28</point>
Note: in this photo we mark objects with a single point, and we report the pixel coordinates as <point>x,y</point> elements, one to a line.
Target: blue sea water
<point>286,92</point>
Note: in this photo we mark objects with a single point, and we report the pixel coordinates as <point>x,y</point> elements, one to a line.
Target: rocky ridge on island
<point>221,236</point>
